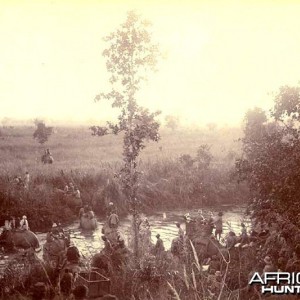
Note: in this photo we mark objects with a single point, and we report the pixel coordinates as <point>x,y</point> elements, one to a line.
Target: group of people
<point>22,182</point>
<point>87,212</point>
<point>56,232</point>
<point>207,225</point>
<point>70,189</point>
<point>47,157</point>
<point>11,224</point>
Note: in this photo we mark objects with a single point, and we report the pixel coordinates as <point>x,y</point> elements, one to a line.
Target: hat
<point>220,214</point>
<point>267,260</point>
<point>158,235</point>
<point>54,225</point>
<point>242,224</point>
<point>24,217</point>
<point>110,203</point>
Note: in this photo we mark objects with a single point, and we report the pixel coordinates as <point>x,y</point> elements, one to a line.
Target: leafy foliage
<point>271,159</point>
<point>129,56</point>
<point>172,122</point>
<point>42,132</point>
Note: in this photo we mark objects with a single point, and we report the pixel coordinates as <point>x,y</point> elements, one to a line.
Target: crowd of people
<point>22,182</point>
<point>87,212</point>
<point>11,224</point>
<point>288,259</point>
<point>71,189</point>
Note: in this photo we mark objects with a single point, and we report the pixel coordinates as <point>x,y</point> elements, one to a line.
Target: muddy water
<point>163,223</point>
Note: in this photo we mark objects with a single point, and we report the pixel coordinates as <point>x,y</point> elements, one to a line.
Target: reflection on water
<point>163,223</point>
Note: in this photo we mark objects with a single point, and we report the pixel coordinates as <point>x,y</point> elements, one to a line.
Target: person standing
<point>66,283</point>
<point>244,234</point>
<point>26,180</point>
<point>180,231</point>
<point>218,221</point>
<point>159,247</point>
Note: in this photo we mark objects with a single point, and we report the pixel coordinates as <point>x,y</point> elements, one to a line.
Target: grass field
<point>91,162</point>
<point>75,148</point>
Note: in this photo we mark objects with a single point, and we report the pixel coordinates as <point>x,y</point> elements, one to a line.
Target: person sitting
<point>231,240</point>
<point>200,218</point>
<point>66,189</point>
<point>113,221</point>
<point>82,211</point>
<point>12,223</point>
<point>110,209</point>
<point>76,193</point>
<point>24,223</point>
<point>107,245</point>
<point>90,214</point>
<point>7,225</point>
<point>57,231</point>
<point>71,188</point>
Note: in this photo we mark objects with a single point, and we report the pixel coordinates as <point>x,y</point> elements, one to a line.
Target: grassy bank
<point>171,174</point>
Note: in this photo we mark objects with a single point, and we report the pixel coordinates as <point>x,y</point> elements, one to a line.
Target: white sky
<point>223,56</point>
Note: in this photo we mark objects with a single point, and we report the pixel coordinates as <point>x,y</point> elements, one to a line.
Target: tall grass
<point>91,163</point>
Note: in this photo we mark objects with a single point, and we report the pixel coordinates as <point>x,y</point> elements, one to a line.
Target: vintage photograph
<point>149,150</point>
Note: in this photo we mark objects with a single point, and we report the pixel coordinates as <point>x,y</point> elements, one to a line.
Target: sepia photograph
<point>149,150</point>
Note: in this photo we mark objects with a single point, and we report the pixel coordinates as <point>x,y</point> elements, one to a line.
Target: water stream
<point>90,242</point>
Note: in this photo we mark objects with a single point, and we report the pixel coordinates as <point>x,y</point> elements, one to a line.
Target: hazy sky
<point>223,56</point>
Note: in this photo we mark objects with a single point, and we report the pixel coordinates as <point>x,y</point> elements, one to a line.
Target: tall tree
<point>172,122</point>
<point>42,132</point>
<point>129,56</point>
